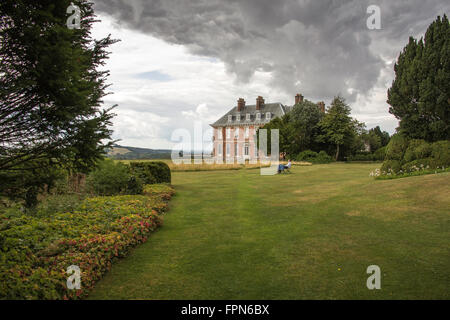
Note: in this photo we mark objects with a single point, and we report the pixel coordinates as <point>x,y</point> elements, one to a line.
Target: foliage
<point>409,171</point>
<point>298,129</point>
<point>337,127</point>
<point>440,152</point>
<point>164,191</point>
<point>305,118</point>
<point>151,172</point>
<point>26,185</point>
<point>111,178</point>
<point>391,166</point>
<point>417,149</point>
<point>314,157</point>
<point>53,204</point>
<point>36,251</point>
<point>382,135</point>
<point>380,154</point>
<point>51,91</point>
<point>420,94</point>
<point>407,156</point>
<point>396,148</point>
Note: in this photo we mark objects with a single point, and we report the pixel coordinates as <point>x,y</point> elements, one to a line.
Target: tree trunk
<point>337,152</point>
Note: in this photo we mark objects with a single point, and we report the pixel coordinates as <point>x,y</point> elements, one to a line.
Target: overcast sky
<point>184,61</point>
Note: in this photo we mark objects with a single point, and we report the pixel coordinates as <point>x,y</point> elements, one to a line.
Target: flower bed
<point>164,191</point>
<point>36,252</point>
<point>410,172</point>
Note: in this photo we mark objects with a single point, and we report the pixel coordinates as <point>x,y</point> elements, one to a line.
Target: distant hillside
<point>130,153</point>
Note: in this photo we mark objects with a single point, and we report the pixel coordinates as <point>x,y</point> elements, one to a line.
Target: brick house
<point>234,137</point>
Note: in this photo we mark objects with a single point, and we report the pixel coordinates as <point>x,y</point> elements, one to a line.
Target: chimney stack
<point>298,98</point>
<point>240,105</point>
<point>321,106</point>
<point>259,103</point>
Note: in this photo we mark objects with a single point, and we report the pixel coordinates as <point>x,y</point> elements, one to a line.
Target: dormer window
<point>258,117</point>
<point>230,118</point>
<point>268,115</point>
<point>247,117</point>
<point>238,118</point>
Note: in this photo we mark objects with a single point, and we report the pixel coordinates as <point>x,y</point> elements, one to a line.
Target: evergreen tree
<point>51,88</point>
<point>420,94</point>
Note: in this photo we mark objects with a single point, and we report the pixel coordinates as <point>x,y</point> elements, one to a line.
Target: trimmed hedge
<point>151,172</point>
<point>35,252</point>
<point>406,156</point>
<point>314,157</point>
<point>396,148</point>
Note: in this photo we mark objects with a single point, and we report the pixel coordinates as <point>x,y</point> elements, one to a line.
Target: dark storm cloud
<point>318,47</point>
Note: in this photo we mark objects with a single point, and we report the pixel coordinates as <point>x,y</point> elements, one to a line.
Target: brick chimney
<point>240,105</point>
<point>298,98</point>
<point>259,103</point>
<point>321,106</point>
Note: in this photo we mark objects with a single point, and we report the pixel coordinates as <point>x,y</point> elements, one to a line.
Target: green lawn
<point>307,235</point>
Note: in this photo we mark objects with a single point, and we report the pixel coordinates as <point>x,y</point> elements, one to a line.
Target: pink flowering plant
<point>35,252</point>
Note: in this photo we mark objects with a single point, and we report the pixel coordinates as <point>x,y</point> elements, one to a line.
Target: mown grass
<point>308,235</point>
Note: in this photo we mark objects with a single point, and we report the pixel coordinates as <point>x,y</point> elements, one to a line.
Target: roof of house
<point>276,110</point>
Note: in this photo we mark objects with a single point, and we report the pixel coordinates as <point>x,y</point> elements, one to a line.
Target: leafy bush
<point>314,157</point>
<point>440,152</point>
<point>58,203</point>
<point>363,156</point>
<point>36,251</point>
<point>391,166</point>
<point>396,148</point>
<point>151,172</point>
<point>111,178</point>
<point>380,154</point>
<point>418,165</point>
<point>164,191</point>
<point>418,155</point>
<point>417,149</point>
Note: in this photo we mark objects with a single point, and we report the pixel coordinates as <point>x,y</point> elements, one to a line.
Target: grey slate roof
<point>276,110</point>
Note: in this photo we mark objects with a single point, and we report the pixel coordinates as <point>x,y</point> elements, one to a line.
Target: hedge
<point>36,252</point>
<point>407,156</point>
<point>151,172</point>
<point>314,157</point>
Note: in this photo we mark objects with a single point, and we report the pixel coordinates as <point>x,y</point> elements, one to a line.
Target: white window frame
<point>228,150</point>
<point>228,133</point>
<point>219,134</point>
<point>247,117</point>
<point>230,118</point>
<point>238,118</point>
<point>219,149</point>
<point>258,116</point>
<point>268,115</point>
<point>247,132</point>
<point>236,149</point>
<point>236,133</point>
<point>246,149</point>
